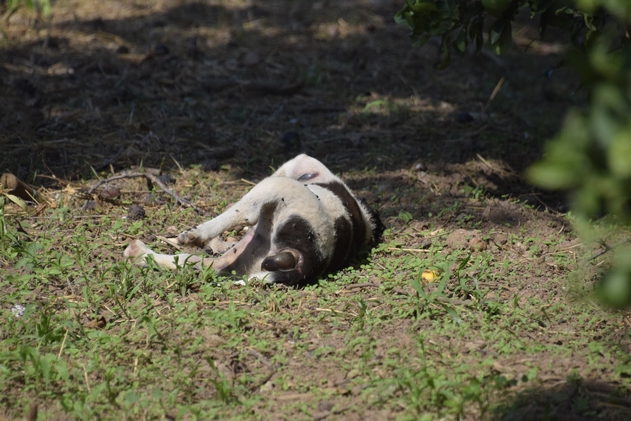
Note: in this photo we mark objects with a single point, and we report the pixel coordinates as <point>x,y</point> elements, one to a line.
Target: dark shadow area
<point>192,83</point>
<point>574,400</point>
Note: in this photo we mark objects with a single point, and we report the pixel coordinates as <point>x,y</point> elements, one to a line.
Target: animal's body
<point>304,222</point>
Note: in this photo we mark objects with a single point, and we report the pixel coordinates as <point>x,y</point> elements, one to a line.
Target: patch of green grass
<point>100,336</point>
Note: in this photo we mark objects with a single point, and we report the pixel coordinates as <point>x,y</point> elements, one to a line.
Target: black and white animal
<point>304,221</point>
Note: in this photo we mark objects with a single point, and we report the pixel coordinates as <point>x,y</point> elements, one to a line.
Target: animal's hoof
<point>191,237</point>
<point>183,238</point>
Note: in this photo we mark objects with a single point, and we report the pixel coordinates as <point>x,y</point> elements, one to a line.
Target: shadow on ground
<point>574,400</point>
<point>252,85</point>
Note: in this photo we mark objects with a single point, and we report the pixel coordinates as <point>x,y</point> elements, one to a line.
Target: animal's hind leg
<point>139,253</point>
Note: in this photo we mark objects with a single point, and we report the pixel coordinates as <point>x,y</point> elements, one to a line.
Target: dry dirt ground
<point>216,94</point>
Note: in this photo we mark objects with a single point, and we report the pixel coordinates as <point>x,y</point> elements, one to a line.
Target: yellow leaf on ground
<point>430,275</point>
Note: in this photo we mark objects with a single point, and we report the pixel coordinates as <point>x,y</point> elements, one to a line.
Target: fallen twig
<point>261,357</point>
<point>608,248</point>
<point>364,285</point>
<point>178,200</point>
<point>267,378</point>
<point>406,249</point>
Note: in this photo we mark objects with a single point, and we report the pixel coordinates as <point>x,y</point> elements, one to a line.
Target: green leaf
<point>117,224</point>
<point>505,41</point>
<point>17,201</point>
<point>400,18</point>
<point>376,103</point>
<point>45,364</point>
<point>588,18</point>
<point>45,7</point>
<point>615,288</point>
<point>62,370</point>
<point>419,41</point>
<point>418,288</point>
<point>461,41</point>
<point>409,18</point>
<point>495,31</point>
<point>423,7</point>
<point>131,397</point>
<point>445,62</point>
<point>552,175</point>
<point>619,153</point>
<point>586,201</point>
<point>476,33</point>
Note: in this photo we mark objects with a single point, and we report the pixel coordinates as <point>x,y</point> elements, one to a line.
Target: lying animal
<point>305,223</point>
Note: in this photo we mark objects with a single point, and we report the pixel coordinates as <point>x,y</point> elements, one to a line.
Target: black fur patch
<point>297,233</point>
<point>377,232</point>
<point>358,224</point>
<point>343,244</point>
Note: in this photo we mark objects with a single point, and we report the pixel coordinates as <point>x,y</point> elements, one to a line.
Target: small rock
<point>90,205</point>
<point>167,179</point>
<point>18,310</point>
<point>160,50</point>
<point>250,59</point>
<point>151,199</point>
<point>110,193</point>
<point>500,238</point>
<point>267,387</point>
<point>16,187</point>
<point>136,212</point>
<point>418,166</point>
<point>352,374</point>
<point>96,324</point>
<point>459,239</point>
<point>464,117</point>
<point>477,244</point>
<point>479,116</point>
<point>172,231</point>
<point>325,405</point>
<point>210,164</point>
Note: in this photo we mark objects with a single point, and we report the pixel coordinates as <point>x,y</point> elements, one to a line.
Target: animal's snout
<point>285,260</point>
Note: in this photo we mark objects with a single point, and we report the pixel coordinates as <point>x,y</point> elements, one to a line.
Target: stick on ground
<point>178,200</point>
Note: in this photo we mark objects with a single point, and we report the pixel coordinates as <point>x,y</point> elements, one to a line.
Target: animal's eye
<point>308,176</point>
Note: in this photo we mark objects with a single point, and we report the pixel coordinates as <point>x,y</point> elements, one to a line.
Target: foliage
<point>459,23</point>
<point>41,7</point>
<point>591,156</point>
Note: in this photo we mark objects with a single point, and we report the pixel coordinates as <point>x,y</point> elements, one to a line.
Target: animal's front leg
<point>245,212</point>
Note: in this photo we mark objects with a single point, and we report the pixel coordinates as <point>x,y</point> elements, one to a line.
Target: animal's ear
<point>375,221</point>
<point>281,261</point>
